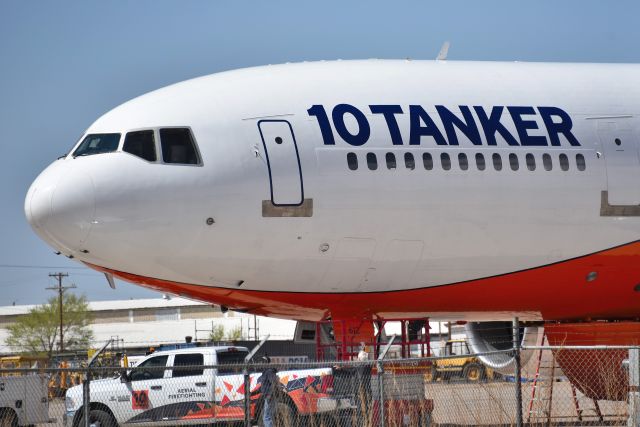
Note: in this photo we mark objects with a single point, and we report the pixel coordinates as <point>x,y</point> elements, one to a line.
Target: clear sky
<point>64,63</point>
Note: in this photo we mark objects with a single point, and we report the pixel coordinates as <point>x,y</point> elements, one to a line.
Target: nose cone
<point>60,206</point>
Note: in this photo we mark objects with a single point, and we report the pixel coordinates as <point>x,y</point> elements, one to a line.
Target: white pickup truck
<point>23,400</point>
<point>187,393</point>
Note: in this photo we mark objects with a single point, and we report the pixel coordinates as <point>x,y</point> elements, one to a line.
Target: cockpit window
<point>178,146</point>
<point>98,143</point>
<point>142,144</point>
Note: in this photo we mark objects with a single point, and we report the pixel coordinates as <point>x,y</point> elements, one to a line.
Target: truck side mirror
<point>124,378</point>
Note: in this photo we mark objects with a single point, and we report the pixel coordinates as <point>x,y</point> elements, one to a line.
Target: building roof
<point>127,304</point>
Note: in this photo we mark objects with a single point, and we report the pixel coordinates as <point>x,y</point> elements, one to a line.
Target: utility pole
<point>60,289</point>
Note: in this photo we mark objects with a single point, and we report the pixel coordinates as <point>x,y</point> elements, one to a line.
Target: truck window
<point>190,363</point>
<point>230,358</point>
<point>140,373</point>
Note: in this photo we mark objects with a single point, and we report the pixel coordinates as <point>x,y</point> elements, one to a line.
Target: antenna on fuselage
<point>444,50</point>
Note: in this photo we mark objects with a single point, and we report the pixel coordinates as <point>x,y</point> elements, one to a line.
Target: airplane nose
<point>60,207</point>
<point>37,206</point>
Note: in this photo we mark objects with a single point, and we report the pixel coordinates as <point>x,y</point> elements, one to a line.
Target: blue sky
<point>65,63</point>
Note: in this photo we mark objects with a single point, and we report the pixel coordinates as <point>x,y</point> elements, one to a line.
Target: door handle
<point>156,387</point>
<point>202,384</point>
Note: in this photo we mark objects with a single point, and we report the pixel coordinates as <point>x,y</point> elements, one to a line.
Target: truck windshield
<point>98,143</point>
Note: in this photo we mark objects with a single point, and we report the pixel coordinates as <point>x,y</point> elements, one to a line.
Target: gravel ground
<point>490,404</point>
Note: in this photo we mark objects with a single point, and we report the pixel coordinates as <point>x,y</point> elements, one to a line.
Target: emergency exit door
<point>622,160</point>
<point>283,162</point>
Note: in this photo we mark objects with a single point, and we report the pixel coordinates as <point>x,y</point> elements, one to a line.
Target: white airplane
<point>363,190</point>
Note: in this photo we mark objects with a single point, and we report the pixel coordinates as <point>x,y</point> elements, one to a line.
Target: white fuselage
<point>359,230</point>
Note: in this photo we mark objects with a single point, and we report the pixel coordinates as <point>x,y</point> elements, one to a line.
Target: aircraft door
<point>621,154</point>
<point>283,161</point>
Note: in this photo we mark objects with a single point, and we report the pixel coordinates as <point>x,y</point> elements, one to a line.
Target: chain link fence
<point>558,386</point>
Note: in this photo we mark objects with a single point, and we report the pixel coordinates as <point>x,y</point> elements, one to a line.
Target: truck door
<point>229,384</point>
<point>283,161</point>
<point>621,155</point>
<point>188,392</point>
<point>146,390</point>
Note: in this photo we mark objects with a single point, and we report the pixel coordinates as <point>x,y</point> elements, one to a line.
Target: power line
<point>60,290</point>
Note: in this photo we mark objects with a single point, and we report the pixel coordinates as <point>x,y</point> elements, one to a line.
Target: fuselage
<point>376,188</point>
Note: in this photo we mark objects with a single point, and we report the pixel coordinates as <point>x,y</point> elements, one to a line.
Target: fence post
<point>518,373</point>
<point>247,396</point>
<point>380,369</point>
<point>86,398</point>
<point>634,387</point>
<point>247,381</point>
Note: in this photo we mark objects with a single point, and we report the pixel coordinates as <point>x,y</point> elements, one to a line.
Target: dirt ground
<point>492,403</point>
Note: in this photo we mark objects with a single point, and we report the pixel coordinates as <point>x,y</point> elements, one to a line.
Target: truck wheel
<point>98,418</point>
<point>8,418</point>
<point>473,372</point>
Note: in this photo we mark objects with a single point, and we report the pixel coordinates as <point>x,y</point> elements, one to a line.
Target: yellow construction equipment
<point>466,366</point>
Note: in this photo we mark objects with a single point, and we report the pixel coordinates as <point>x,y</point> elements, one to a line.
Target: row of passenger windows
<point>464,162</point>
<point>177,145</point>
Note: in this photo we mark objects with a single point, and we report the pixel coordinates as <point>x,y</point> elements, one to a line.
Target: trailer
<point>24,400</point>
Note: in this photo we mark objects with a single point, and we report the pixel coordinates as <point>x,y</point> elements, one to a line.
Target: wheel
<point>8,418</point>
<point>99,418</point>
<point>473,372</point>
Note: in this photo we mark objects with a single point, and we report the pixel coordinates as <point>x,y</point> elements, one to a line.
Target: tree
<point>217,333</point>
<point>38,331</point>
<point>235,334</point>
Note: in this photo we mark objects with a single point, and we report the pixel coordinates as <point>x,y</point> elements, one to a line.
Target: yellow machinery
<point>466,366</point>
<point>22,362</point>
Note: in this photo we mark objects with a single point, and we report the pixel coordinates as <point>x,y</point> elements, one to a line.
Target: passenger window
<point>178,146</point>
<point>513,162</point>
<point>446,161</point>
<point>564,162</point>
<point>427,160</point>
<point>580,162</point>
<point>531,162</point>
<point>352,161</point>
<point>497,161</point>
<point>141,144</point>
<point>372,161</point>
<point>480,164</point>
<point>409,161</point>
<point>546,162</point>
<point>98,143</point>
<point>190,363</point>
<point>141,373</point>
<point>391,160</point>
<point>463,162</point>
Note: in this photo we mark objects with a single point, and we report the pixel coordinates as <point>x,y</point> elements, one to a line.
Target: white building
<point>150,322</point>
